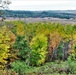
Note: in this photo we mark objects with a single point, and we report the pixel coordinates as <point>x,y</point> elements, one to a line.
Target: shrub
<point>4,72</point>
<point>19,66</point>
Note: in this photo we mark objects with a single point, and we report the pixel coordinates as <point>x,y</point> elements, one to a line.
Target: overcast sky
<point>43,5</point>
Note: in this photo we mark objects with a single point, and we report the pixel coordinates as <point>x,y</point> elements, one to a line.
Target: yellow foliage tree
<point>18,28</point>
<point>5,43</point>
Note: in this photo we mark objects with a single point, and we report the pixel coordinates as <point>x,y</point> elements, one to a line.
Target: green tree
<point>23,49</point>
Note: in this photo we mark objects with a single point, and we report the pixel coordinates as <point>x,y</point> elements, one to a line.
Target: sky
<point>37,5</point>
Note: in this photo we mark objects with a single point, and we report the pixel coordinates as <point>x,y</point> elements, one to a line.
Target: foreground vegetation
<point>37,48</point>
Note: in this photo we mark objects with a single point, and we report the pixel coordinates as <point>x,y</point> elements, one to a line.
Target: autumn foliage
<point>35,43</point>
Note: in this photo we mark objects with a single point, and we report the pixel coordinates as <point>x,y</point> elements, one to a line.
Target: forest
<point>37,48</point>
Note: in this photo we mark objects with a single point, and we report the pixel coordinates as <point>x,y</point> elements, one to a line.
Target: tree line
<point>41,14</point>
